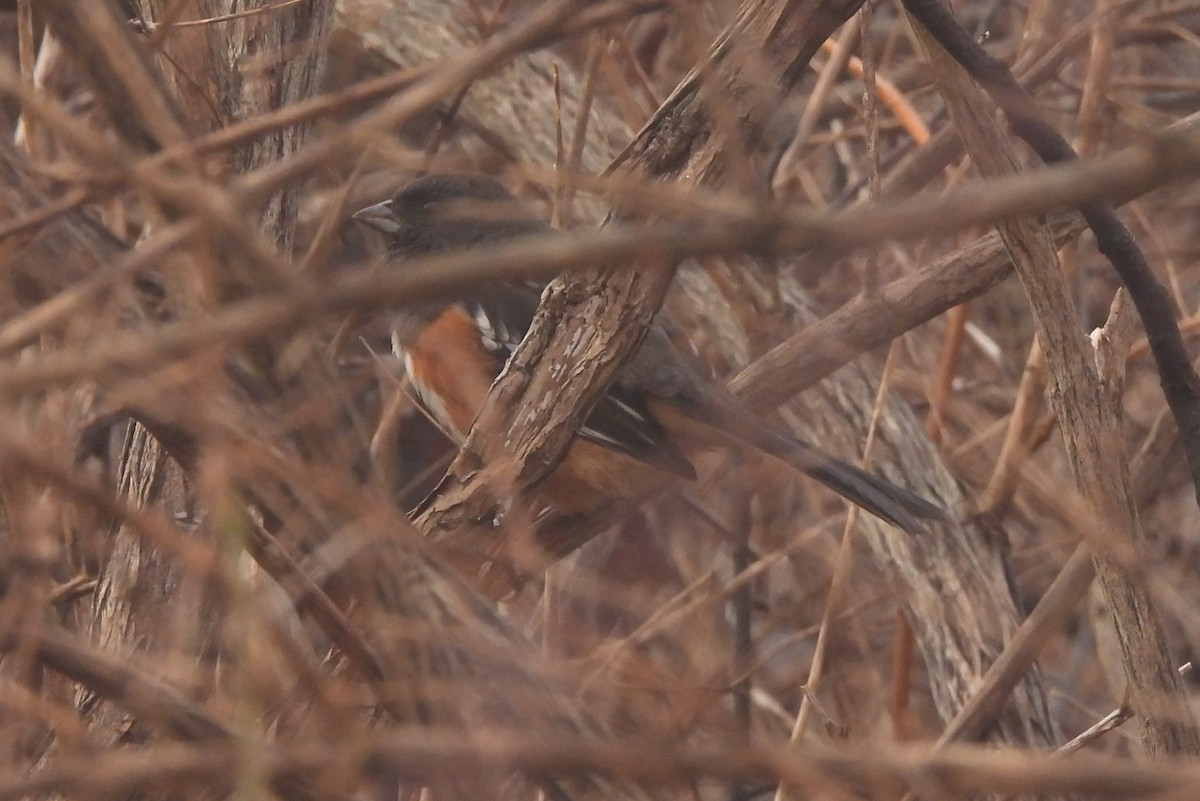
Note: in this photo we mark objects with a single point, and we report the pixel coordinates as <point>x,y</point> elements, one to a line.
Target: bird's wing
<point>620,420</point>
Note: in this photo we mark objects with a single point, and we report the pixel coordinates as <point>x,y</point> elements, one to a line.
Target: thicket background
<point>207,452</point>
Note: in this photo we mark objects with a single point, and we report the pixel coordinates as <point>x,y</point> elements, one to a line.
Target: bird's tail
<point>877,495</point>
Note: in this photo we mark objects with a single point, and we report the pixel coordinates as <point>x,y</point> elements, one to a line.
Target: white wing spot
<point>492,340</point>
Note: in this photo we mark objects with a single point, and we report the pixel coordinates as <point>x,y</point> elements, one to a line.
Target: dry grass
<point>210,583</point>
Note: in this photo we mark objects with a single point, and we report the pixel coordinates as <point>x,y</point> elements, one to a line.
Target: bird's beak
<point>379,217</point>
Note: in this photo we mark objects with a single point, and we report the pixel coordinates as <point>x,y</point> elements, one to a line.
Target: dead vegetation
<point>212,587</point>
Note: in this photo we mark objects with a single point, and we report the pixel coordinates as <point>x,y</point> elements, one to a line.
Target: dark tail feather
<point>877,495</point>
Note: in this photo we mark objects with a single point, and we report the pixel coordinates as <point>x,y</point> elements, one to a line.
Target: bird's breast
<point>449,368</point>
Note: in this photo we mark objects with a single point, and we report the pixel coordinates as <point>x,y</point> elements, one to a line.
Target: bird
<point>658,414</point>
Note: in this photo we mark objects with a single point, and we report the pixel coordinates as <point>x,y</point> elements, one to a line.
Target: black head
<point>447,212</point>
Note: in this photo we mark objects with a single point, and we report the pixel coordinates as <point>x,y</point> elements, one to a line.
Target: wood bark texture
<point>954,583</point>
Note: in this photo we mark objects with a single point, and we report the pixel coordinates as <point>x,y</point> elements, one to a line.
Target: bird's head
<point>438,213</point>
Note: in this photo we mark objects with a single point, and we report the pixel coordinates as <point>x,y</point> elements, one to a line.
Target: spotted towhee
<point>657,411</point>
